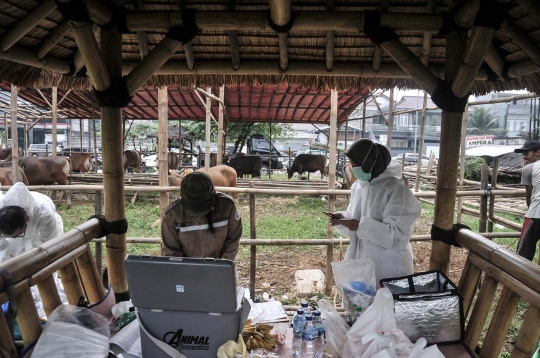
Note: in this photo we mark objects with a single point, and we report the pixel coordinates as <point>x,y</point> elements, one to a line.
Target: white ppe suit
<point>44,223</point>
<point>387,211</point>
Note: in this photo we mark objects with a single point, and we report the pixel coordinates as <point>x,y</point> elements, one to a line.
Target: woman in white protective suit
<point>27,219</point>
<point>382,212</point>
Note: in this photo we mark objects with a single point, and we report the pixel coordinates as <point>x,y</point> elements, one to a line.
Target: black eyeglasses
<point>4,236</point>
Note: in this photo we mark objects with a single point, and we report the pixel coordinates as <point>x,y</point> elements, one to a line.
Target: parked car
<point>42,150</point>
<point>411,158</point>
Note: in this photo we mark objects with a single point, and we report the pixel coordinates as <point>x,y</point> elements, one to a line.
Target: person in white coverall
<point>27,219</point>
<point>381,214</point>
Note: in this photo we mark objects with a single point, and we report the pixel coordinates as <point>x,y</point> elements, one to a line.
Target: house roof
<point>412,102</point>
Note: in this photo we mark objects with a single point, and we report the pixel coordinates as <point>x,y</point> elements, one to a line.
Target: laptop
<point>182,284</point>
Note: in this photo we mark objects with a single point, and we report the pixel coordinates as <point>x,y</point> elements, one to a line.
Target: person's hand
<point>335,221</point>
<point>351,224</point>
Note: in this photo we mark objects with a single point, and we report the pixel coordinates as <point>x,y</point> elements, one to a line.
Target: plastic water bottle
<point>319,328</point>
<point>305,307</point>
<point>358,313</point>
<point>299,321</point>
<point>308,339</point>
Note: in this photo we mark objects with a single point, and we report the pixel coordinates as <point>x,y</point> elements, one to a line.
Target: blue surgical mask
<point>360,174</point>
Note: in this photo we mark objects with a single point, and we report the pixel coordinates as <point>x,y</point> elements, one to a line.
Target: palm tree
<point>481,121</point>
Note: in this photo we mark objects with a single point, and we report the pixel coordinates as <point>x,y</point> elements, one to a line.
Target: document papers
<point>265,312</point>
<point>128,340</point>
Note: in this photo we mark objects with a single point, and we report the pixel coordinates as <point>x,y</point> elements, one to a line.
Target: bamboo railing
<point>68,253</point>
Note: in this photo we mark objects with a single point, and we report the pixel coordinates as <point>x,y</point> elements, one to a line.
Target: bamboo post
<point>280,13</point>
<point>468,282</point>
<point>462,159</point>
<point>332,143</point>
<point>28,318</point>
<point>506,308</point>
<point>98,210</point>
<point>482,220</point>
<point>6,129</point>
<point>448,163</point>
<point>113,169</point>
<point>330,40</point>
<point>421,145</point>
<point>528,337</point>
<point>220,137</point>
<point>90,277</point>
<point>270,154</point>
<point>363,122</point>
<point>141,35</point>
<point>25,139</point>
<point>14,135</point>
<point>188,47</point>
<point>6,339</point>
<point>71,282</point>
<point>54,113</point>
<point>480,312</point>
<point>49,295</point>
<point>252,236</point>
<point>163,116</point>
<point>208,129</point>
<point>492,197</point>
<point>390,121</point>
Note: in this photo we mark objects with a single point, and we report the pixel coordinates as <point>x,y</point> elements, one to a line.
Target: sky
<point>400,93</point>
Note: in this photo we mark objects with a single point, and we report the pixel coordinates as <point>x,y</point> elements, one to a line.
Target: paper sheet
<point>265,312</point>
<point>129,339</point>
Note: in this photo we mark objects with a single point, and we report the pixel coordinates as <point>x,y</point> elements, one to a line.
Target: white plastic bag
<point>355,279</point>
<point>335,329</point>
<point>73,332</point>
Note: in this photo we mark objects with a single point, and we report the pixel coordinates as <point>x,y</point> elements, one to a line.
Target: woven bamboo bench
<point>505,278</point>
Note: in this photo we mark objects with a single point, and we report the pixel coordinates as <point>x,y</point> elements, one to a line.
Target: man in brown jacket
<point>202,223</point>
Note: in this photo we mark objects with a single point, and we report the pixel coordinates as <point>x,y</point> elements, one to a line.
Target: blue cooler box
<point>190,305</point>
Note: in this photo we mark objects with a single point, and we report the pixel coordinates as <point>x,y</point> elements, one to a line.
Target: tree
<point>240,131</point>
<point>481,121</point>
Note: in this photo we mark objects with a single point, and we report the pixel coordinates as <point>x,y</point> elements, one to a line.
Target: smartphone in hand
<point>331,215</point>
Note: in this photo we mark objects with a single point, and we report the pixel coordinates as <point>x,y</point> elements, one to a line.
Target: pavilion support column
<point>332,142</point>
<point>421,145</point>
<point>280,13</point>
<point>14,134</point>
<point>54,113</point>
<point>207,130</point>
<point>221,134</point>
<point>390,121</point>
<point>163,117</point>
<point>113,168</point>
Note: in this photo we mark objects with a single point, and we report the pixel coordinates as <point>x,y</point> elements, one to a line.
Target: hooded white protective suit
<point>387,211</point>
<point>44,223</point>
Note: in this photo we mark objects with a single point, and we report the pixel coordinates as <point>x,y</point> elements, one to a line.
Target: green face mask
<point>360,174</point>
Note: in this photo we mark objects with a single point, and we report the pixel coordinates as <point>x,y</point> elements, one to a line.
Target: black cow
<point>245,164</point>
<point>307,163</point>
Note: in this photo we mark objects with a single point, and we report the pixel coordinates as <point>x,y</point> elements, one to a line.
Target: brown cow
<point>6,176</point>
<point>348,175</point>
<point>132,159</point>
<point>47,171</point>
<point>5,153</point>
<point>81,162</point>
<point>213,159</point>
<point>221,175</point>
<point>172,159</point>
<point>308,163</point>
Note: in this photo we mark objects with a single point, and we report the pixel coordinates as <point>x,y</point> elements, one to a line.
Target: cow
<point>81,162</point>
<point>6,176</point>
<point>47,171</point>
<point>132,159</point>
<point>348,175</point>
<point>173,160</point>
<point>245,164</point>
<point>5,153</point>
<point>213,159</point>
<point>308,163</point>
<point>221,175</point>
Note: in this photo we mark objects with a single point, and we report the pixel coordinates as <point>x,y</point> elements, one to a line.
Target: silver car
<point>42,150</point>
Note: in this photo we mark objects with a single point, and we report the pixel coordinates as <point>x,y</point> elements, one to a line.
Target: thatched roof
<point>259,50</point>
<point>173,132</point>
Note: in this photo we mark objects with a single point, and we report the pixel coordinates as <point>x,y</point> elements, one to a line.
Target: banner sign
<point>476,141</point>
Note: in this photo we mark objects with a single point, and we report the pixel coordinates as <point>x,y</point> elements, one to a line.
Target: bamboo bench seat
<point>68,253</point>
<point>496,277</point>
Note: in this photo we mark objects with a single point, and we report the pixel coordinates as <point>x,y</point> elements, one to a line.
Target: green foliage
<point>499,132</point>
<point>144,128</point>
<point>472,167</point>
<point>481,121</point>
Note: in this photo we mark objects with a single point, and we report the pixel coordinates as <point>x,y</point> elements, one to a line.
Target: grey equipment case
<point>190,304</point>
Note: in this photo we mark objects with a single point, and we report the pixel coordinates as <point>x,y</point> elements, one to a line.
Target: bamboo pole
<point>497,219</point>
<point>280,13</point>
<point>390,121</point>
<point>90,277</point>
<point>468,283</point>
<point>99,12</point>
<point>528,46</point>
<point>253,237</point>
<point>72,283</point>
<point>54,108</point>
<point>21,28</point>
<point>482,220</point>
<point>220,137</point>
<point>6,129</point>
<point>207,130</point>
<point>332,144</point>
<point>495,61</point>
<point>257,20</point>
<point>492,198</point>
<point>421,145</point>
<point>113,169</point>
<point>90,50</point>
<point>49,295</point>
<point>27,317</point>
<point>14,134</point>
<point>506,308</point>
<point>480,312</point>
<point>448,163</point>
<point>164,50</point>
<point>141,35</point>
<point>528,335</point>
<point>363,123</point>
<point>462,159</point>
<point>531,6</point>
<point>54,37</point>
<point>378,107</point>
<point>163,116</point>
<point>6,340</point>
<point>98,210</point>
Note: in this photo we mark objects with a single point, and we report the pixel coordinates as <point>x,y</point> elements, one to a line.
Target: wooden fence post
<point>252,236</point>
<point>482,220</point>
